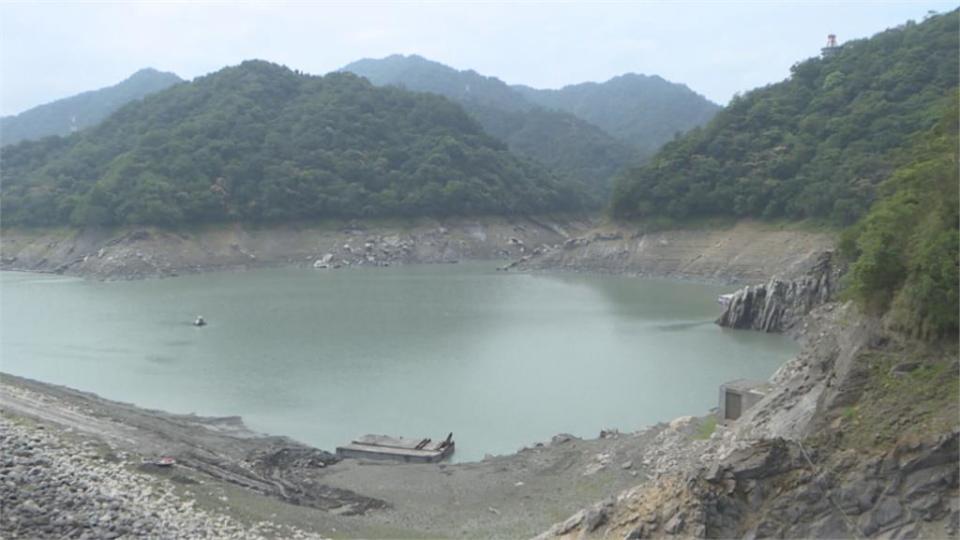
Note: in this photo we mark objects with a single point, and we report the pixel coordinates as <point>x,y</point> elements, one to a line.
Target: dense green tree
<point>815,145</point>
<point>905,250</point>
<point>260,142</point>
<point>558,127</point>
<point>643,111</point>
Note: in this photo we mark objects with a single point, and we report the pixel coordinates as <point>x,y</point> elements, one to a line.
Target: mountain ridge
<point>564,143</point>
<point>814,145</point>
<point>83,110</point>
<point>260,142</point>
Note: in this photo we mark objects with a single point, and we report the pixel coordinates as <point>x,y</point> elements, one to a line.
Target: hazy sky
<point>53,50</point>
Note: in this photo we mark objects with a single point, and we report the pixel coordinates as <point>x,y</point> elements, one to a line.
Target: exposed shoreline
<point>502,496</point>
<point>741,253</point>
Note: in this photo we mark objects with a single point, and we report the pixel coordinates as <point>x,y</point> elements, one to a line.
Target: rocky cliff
<point>780,304</point>
<point>857,438</point>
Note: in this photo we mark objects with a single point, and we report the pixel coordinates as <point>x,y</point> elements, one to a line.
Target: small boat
<point>165,461</point>
<point>200,321</point>
<point>399,449</point>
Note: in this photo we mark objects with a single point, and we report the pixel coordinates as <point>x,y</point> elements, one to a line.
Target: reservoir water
<point>502,360</point>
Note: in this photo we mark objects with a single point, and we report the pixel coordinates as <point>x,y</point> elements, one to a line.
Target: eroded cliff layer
<point>747,252</point>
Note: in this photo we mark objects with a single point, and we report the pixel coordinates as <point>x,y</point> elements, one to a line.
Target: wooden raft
<point>399,449</point>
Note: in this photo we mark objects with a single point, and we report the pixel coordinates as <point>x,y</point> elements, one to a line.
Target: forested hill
<point>815,145</point>
<point>82,110</point>
<point>261,142</point>
<point>422,75</point>
<point>644,111</point>
<point>561,141</point>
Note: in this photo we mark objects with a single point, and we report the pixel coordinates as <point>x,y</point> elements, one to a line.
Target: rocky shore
<point>858,437</point>
<point>55,487</point>
<point>145,252</point>
<point>244,484</point>
<point>743,253</point>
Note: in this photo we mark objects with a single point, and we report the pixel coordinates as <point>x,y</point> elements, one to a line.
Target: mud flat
<point>231,482</point>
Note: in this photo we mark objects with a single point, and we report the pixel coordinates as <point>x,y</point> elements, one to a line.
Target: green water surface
<point>502,360</point>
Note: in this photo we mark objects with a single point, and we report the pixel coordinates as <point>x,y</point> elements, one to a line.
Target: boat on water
<point>398,449</point>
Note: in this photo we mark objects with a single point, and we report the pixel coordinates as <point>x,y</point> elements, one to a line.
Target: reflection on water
<point>681,326</point>
<point>502,360</point>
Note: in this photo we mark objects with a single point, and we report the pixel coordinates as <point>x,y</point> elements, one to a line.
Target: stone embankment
<point>747,252</point>
<point>780,304</point>
<point>53,487</point>
<point>140,252</point>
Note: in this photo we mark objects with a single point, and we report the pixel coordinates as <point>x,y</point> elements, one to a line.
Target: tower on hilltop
<point>831,48</point>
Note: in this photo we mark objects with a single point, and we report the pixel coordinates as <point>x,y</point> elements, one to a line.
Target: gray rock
<point>932,479</point>
<point>887,512</point>
<point>562,438</point>
<point>778,305</point>
<point>675,524</point>
<point>31,507</point>
<point>571,523</point>
<point>597,515</point>
<point>831,526</point>
<point>858,495</point>
<point>761,460</point>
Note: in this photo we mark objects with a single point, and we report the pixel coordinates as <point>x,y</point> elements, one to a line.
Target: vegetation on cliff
<point>816,145</point>
<point>261,142</point>
<point>905,250</point>
<point>82,110</point>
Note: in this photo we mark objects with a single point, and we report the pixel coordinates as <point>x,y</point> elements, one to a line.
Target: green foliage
<point>706,428</point>
<point>905,250</point>
<point>902,406</point>
<point>556,127</point>
<point>813,146</point>
<point>83,110</point>
<point>644,111</point>
<point>564,143</point>
<point>258,142</point>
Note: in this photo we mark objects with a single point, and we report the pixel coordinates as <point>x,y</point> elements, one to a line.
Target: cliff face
<point>780,304</point>
<point>773,490</point>
<point>857,438</point>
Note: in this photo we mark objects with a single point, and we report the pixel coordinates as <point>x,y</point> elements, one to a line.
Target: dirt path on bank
<point>251,477</point>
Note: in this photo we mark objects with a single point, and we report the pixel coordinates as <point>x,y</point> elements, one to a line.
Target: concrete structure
<point>738,396</point>
<point>398,449</point>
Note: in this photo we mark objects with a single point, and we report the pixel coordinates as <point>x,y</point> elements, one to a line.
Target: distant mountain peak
<point>83,110</point>
<point>604,125</point>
